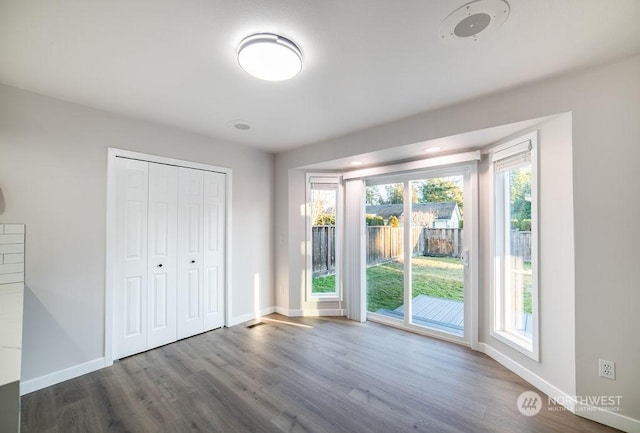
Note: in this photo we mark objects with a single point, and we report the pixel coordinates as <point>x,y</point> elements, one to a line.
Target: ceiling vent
<point>474,21</point>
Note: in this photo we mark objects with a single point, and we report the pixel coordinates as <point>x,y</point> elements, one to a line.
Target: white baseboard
<point>250,316</point>
<point>282,310</point>
<point>535,380</point>
<point>41,382</point>
<point>310,313</point>
<point>612,419</point>
<point>31,385</point>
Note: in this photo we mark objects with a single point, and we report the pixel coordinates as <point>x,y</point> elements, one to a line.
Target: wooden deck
<point>442,314</point>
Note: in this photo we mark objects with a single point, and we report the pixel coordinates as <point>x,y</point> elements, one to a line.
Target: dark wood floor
<point>296,375</point>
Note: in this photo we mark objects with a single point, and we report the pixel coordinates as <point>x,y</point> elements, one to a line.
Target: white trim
<point>407,253</point>
<point>112,154</point>
<point>513,146</point>
<point>523,143</point>
<point>414,329</point>
<point>354,275</point>
<point>471,200</point>
<point>535,380</point>
<point>439,161</point>
<point>110,260</point>
<point>469,173</point>
<point>593,413</point>
<point>35,384</point>
<point>250,316</point>
<point>122,153</point>
<point>435,172</point>
<point>327,179</point>
<point>281,310</point>
<point>311,313</point>
<point>612,419</point>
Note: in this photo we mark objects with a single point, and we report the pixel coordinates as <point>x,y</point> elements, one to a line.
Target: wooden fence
<point>521,245</point>
<point>324,250</point>
<point>385,244</point>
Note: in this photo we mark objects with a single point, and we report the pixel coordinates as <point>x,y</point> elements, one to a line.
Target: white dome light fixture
<point>269,57</point>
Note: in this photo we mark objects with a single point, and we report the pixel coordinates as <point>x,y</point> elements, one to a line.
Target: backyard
<point>440,277</point>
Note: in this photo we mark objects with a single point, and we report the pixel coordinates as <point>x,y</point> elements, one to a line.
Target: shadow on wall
<point>2,205</point>
<point>40,328</point>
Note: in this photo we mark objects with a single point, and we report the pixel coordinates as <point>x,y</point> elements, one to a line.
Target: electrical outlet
<point>607,369</point>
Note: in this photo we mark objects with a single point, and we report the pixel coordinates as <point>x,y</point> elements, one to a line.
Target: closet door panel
<point>162,251</point>
<point>190,247</point>
<point>130,291</point>
<point>214,249</point>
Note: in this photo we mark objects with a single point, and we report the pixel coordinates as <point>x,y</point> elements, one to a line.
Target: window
<point>323,236</point>
<point>515,292</point>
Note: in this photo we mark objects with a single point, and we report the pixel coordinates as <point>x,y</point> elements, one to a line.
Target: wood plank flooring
<point>296,375</point>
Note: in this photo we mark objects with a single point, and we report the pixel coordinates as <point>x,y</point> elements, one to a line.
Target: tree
<point>374,220</point>
<point>422,219</point>
<point>373,196</point>
<point>441,190</point>
<point>520,190</point>
<point>325,219</point>
<point>323,206</point>
<point>395,193</point>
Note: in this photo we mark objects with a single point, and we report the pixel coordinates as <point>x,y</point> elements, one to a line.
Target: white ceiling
<point>367,62</point>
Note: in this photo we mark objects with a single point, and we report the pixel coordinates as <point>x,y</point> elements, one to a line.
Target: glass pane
<point>323,238</point>
<point>437,273</point>
<point>518,276</point>
<point>385,265</point>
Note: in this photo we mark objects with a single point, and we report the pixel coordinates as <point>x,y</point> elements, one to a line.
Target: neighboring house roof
<point>440,210</point>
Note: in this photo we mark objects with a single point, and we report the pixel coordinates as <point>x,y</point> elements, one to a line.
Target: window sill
<point>325,297</point>
<point>518,343</point>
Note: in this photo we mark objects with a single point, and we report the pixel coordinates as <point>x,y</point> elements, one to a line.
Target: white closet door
<point>162,262</point>
<point>190,245</point>
<point>214,249</point>
<point>131,258</point>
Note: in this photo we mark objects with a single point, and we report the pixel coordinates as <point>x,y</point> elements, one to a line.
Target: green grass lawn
<point>324,284</point>
<point>440,277</point>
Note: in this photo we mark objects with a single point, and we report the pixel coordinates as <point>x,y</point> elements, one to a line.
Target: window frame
<point>464,165</point>
<point>333,179</point>
<point>498,228</point>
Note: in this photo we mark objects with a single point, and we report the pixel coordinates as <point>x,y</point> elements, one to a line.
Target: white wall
<point>53,160</point>
<point>605,108</point>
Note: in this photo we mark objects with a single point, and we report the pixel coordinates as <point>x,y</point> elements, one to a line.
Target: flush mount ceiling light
<point>473,21</point>
<point>269,57</point>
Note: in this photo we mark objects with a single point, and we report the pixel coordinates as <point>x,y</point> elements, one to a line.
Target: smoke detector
<point>240,125</point>
<point>474,21</point>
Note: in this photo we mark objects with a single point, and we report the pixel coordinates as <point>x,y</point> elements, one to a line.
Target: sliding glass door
<point>437,271</point>
<point>418,250</point>
<point>385,250</point>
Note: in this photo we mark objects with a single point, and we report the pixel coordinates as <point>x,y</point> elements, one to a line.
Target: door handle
<point>160,265</point>
<point>465,257</point>
<point>193,261</point>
